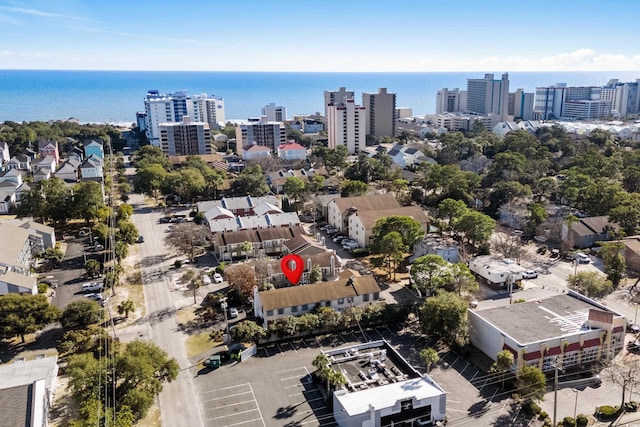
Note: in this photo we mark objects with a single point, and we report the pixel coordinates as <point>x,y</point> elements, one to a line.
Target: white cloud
<point>41,13</point>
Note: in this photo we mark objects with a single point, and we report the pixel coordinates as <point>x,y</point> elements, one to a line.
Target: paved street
<point>178,403</point>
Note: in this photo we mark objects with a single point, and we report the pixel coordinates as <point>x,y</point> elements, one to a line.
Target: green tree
<point>429,272</point>
<point>80,314</point>
<point>316,274</point>
<point>445,317</point>
<point>410,229</point>
<point>531,383</point>
<point>251,181</point>
<point>87,199</point>
<point>613,261</point>
<point>150,178</point>
<point>124,188</point>
<point>121,250</point>
<point>504,362</point>
<point>429,357</point>
<point>460,279</point>
<point>475,226</point>
<point>315,184</point>
<point>127,232</point>
<point>246,247</point>
<point>248,331</point>
<point>627,213</point>
<point>590,283</point>
<point>332,158</point>
<point>92,267</point>
<point>25,314</point>
<point>295,188</point>
<point>352,188</point>
<point>125,307</point>
<point>124,212</point>
<point>392,246</point>
<point>53,255</point>
<point>451,209</point>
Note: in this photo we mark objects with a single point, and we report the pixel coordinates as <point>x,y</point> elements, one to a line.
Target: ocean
<point>115,96</point>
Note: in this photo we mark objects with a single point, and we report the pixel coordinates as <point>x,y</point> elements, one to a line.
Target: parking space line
<point>304,391</point>
<point>465,367</point>
<point>245,422</point>
<point>230,404</point>
<point>290,378</point>
<point>289,370</point>
<point>302,384</point>
<point>474,375</point>
<point>293,347</point>
<point>258,406</point>
<point>234,414</point>
<point>265,350</point>
<point>227,388</point>
<point>226,396</point>
<point>279,348</point>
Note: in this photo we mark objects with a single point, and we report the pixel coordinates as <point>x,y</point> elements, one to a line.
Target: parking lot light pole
<point>223,306</point>
<point>575,406</point>
<point>555,390</point>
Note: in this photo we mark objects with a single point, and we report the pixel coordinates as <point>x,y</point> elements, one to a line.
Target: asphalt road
<point>179,405</point>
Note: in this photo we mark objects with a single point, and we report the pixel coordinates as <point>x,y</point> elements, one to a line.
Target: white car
<point>233,312</point>
<point>217,277</point>
<point>530,274</point>
<point>582,258</point>
<point>206,279</point>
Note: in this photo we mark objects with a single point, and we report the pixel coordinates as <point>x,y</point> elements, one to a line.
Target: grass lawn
<point>152,419</point>
<point>199,343</point>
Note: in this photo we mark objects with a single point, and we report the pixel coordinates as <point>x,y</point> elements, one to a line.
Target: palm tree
<point>125,307</point>
<point>429,356</point>
<point>194,281</point>
<point>246,247</point>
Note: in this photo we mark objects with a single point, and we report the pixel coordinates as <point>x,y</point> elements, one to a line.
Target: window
<point>340,301</point>
<point>365,297</point>
<point>305,307</point>
<point>376,296</point>
<point>281,311</point>
<point>269,312</point>
<point>589,354</point>
<point>570,359</point>
<point>294,309</point>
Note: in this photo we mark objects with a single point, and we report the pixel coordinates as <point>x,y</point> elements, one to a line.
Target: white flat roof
<point>386,396</point>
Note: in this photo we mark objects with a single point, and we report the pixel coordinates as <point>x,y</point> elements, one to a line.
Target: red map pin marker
<point>292,266</point>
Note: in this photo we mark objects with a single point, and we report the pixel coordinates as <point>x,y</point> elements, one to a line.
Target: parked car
<point>530,274</point>
<point>99,247</point>
<point>164,220</point>
<point>542,250</point>
<point>233,312</point>
<point>338,239</point>
<point>92,287</point>
<point>217,277</point>
<point>140,239</point>
<point>582,258</point>
<point>206,279</point>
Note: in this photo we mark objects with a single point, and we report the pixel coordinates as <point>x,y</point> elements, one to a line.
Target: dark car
<point>140,239</point>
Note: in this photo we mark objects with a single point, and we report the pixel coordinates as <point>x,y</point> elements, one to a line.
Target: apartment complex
<point>346,125</point>
<point>381,111</point>
<point>335,97</point>
<point>274,113</point>
<point>185,138</point>
<point>171,108</point>
<point>488,95</point>
<point>573,102</point>
<point>260,132</point>
<point>624,97</point>
<point>450,100</point>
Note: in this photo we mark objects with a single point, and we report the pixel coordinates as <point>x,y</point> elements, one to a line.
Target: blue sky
<point>326,35</point>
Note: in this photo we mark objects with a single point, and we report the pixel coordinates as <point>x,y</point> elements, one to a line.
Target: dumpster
<point>213,361</point>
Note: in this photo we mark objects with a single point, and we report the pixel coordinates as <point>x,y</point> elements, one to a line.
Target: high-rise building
<point>185,138</point>
<point>170,108</point>
<point>336,97</point>
<point>521,105</point>
<point>274,113</point>
<point>488,96</point>
<point>346,125</point>
<point>624,97</point>
<point>451,100</point>
<point>261,132</point>
<point>381,109</point>
<point>577,102</point>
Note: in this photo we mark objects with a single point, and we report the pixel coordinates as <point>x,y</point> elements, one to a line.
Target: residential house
<point>321,203</point>
<point>42,236</point>
<point>41,174</point>
<point>8,197</point>
<point>48,164</point>
<point>92,169</point>
<point>277,179</point>
<point>292,151</point>
<point>264,241</point>
<point>340,209</point>
<point>93,147</point>
<point>298,300</point>
<point>49,149</point>
<point>13,176</point>
<point>16,259</point>
<point>254,222</point>
<point>587,231</point>
<point>27,391</point>
<point>19,161</point>
<point>632,253</point>
<point>4,153</point>
<point>239,206</point>
<point>496,272</point>
<point>361,223</point>
<point>69,170</point>
<point>447,248</point>
<point>255,152</point>
<point>405,156</point>
<point>75,153</point>
<point>567,330</point>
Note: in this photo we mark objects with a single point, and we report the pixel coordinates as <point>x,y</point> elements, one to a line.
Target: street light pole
<point>575,406</point>
<point>555,390</point>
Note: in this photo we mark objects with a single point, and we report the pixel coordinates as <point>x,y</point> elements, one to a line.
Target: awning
<point>574,346</point>
<point>592,343</point>
<point>618,329</point>
<point>533,355</point>
<point>553,351</point>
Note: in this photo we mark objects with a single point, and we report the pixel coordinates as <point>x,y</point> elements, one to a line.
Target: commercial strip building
<point>567,331</point>
<point>383,389</point>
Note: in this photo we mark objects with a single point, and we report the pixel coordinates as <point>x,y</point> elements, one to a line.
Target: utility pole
<point>555,390</point>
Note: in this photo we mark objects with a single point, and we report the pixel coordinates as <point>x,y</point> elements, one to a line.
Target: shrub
<point>582,420</point>
<point>543,415</point>
<point>360,252</point>
<point>220,268</point>
<point>568,422</point>
<point>177,263</point>
<point>43,288</point>
<point>607,412</point>
<point>531,408</point>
